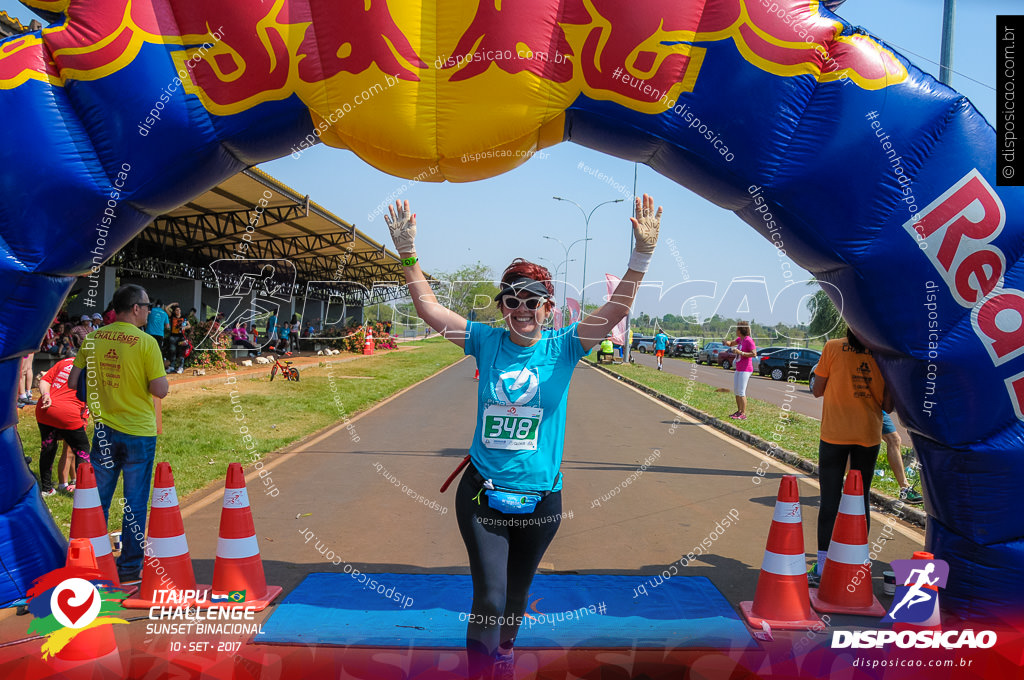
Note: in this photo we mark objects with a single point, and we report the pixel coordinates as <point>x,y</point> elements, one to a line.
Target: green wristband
<point>410,261</point>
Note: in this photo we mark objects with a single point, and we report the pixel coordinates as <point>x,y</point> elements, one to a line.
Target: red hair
<point>530,270</point>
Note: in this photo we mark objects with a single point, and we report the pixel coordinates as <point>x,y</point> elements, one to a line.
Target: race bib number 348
<point>511,427</point>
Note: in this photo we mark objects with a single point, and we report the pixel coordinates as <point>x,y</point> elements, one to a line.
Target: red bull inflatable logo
<point>524,62</point>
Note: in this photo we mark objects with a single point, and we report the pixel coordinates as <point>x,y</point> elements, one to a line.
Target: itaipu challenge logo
<point>69,601</point>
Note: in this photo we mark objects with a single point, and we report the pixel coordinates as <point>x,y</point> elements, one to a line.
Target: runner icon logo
<point>915,599</point>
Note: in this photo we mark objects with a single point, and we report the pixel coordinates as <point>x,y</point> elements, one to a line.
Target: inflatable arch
<point>879,179</point>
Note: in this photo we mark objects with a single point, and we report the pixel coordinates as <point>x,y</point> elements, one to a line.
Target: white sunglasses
<point>513,302</point>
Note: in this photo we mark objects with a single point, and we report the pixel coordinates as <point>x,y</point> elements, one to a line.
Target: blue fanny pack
<point>512,502</point>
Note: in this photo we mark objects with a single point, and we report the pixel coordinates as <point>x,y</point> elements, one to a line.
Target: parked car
<point>643,344</point>
<point>791,362</point>
<point>767,350</point>
<point>708,354</point>
<point>810,380</point>
<point>727,358</point>
<point>683,347</point>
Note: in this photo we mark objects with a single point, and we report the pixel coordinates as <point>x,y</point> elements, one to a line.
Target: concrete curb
<point>893,505</point>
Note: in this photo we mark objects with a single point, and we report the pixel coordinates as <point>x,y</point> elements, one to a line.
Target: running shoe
<point>29,402</point>
<point>742,416</point>
<point>736,415</point>
<point>130,579</point>
<point>66,488</point>
<point>813,577</point>
<point>47,494</point>
<point>908,495</point>
<point>504,667</point>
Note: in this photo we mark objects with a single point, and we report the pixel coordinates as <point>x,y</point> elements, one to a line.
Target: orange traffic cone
<point>368,347</point>
<point>168,565</point>
<point>87,522</point>
<point>781,597</point>
<point>846,580</point>
<point>93,646</point>
<point>934,622</point>
<point>476,376</point>
<point>238,566</point>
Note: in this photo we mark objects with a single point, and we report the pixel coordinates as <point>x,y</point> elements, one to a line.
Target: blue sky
<point>497,219</point>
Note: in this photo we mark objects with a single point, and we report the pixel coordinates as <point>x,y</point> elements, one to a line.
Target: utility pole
<point>946,60</point>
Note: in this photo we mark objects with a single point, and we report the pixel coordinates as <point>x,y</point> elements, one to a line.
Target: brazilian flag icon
<point>236,596</point>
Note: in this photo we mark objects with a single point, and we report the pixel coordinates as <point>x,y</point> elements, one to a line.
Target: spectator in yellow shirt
<point>123,372</point>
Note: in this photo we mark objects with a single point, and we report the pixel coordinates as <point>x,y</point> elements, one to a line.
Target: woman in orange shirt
<point>855,395</point>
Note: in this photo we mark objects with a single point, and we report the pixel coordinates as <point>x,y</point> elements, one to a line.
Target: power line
<point>930,61</point>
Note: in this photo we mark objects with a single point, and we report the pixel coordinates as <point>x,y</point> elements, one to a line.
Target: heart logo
<point>75,603</point>
<point>74,613</point>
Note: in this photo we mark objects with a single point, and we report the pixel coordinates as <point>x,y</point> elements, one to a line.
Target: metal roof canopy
<point>326,251</point>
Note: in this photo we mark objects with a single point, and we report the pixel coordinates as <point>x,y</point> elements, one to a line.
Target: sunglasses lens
<point>533,303</point>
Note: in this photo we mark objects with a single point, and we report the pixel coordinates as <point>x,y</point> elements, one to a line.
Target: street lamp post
<point>559,266</point>
<point>586,232</point>
<point>567,261</point>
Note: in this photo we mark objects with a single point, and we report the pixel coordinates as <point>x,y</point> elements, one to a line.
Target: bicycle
<point>286,368</point>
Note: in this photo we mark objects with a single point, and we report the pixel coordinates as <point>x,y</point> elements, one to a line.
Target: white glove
<point>402,223</point>
<point>646,225</point>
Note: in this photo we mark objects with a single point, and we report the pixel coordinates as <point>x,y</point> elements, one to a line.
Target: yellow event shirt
<point>118,361</point>
<point>852,412</point>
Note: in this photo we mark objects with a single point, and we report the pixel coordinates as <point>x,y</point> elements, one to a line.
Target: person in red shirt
<point>109,315</point>
<point>61,417</point>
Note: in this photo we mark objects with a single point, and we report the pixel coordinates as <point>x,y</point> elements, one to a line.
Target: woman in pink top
<point>745,351</point>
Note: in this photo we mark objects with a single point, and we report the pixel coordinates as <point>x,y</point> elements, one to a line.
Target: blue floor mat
<point>579,611</point>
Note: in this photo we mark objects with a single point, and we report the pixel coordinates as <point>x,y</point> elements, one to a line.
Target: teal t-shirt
<point>529,379</point>
<point>155,323</point>
<point>660,341</point>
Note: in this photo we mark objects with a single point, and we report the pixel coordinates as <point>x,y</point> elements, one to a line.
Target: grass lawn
<point>201,426</point>
<point>797,433</point>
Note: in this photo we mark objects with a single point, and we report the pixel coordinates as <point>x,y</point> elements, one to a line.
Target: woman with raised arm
<point>509,500</point>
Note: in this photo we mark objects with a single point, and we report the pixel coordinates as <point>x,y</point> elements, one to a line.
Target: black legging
<point>831,468</point>
<point>174,349</point>
<point>504,552</point>
<point>50,439</point>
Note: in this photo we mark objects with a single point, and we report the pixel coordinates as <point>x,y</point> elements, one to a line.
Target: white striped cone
<point>87,521</point>
<point>846,579</point>
<point>238,566</point>
<point>168,565</point>
<point>781,597</point>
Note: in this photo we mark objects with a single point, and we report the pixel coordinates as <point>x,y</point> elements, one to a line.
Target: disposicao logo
<point>69,601</point>
<point>915,602</point>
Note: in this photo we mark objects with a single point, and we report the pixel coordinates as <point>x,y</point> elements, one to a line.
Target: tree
<point>469,291</point>
<point>826,321</point>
